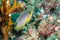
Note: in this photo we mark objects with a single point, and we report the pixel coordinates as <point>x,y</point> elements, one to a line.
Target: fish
<point>22,20</point>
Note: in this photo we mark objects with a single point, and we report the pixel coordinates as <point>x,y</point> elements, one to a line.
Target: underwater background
<point>37,20</point>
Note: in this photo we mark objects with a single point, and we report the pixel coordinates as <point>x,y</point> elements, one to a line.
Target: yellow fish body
<point>22,20</point>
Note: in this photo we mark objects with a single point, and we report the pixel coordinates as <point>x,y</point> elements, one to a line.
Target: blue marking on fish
<point>21,19</point>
